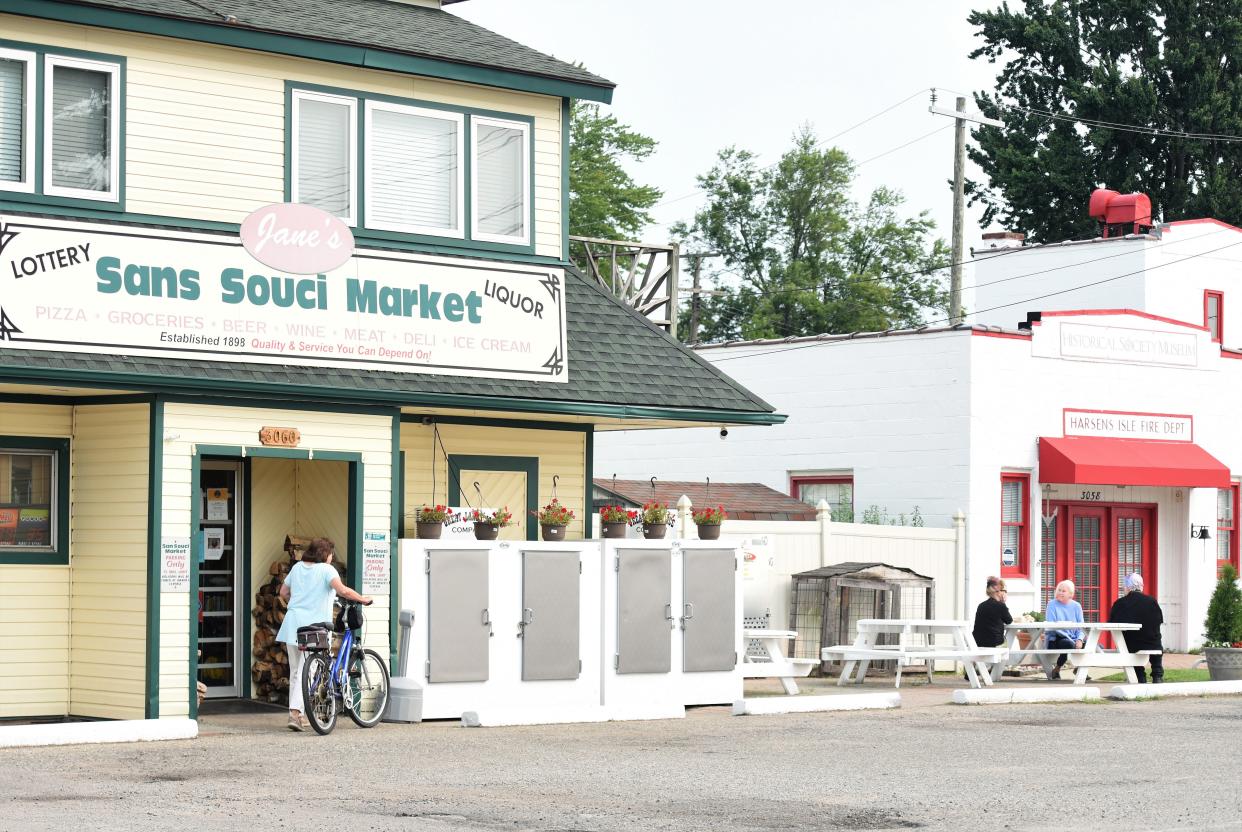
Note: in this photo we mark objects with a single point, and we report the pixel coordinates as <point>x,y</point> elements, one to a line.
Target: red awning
<point>1099,461</point>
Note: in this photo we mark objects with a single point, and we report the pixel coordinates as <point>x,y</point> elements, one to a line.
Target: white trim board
<point>121,730</point>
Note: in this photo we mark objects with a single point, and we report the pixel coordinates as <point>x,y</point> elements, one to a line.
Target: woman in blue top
<point>1064,608</point>
<point>310,588</point>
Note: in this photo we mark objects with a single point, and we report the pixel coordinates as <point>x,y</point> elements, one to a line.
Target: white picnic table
<point>916,644</point>
<point>1089,656</point>
<point>776,664</point>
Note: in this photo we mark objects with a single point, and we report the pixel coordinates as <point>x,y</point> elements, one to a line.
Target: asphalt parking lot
<point>1170,764</point>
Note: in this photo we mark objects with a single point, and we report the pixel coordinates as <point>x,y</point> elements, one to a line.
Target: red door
<point>1087,551</point>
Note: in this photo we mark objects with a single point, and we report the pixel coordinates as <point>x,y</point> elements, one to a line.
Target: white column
<point>684,518</point>
<point>962,559</point>
<point>823,513</point>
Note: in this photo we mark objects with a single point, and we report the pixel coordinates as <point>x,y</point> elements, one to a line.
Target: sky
<point>700,75</point>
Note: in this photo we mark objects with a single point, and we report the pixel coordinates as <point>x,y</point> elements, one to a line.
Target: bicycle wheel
<point>366,688</point>
<point>317,698</point>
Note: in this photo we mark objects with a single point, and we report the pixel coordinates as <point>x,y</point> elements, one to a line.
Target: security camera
<point>724,432</point>
<point>427,420</point>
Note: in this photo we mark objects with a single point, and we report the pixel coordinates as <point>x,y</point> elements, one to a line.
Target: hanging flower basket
<point>430,522</point>
<point>614,520</point>
<point>655,520</point>
<point>552,531</point>
<point>553,518</point>
<point>708,521</point>
<point>487,525</point>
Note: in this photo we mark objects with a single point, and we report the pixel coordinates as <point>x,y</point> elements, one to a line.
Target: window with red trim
<point>1226,527</point>
<point>1214,314</point>
<point>838,491</point>
<point>1015,532</point>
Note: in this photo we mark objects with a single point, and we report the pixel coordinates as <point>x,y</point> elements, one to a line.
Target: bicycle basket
<point>314,637</point>
<point>350,616</point>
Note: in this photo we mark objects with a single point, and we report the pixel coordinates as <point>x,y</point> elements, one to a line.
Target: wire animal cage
<point>827,603</point>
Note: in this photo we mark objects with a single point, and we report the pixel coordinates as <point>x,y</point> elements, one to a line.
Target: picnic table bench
<point>1088,656</point>
<point>908,651</point>
<point>776,664</point>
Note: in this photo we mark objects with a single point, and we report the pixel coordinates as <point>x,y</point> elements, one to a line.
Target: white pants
<point>295,677</point>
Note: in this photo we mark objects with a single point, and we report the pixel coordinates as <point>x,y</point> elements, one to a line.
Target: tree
<point>604,200</point>
<point>801,257</point>
<point>1223,626</point>
<point>1163,65</point>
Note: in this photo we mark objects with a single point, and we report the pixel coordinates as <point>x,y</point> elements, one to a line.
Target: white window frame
<point>294,159</point>
<point>27,185</point>
<point>459,231</point>
<point>114,128</point>
<point>475,233</point>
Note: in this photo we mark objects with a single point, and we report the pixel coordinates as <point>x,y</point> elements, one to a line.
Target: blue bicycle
<point>349,678</point>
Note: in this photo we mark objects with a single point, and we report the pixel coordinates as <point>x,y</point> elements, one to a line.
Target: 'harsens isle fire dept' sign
<point>90,287</point>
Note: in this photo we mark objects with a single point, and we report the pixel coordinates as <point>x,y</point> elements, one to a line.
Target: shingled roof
<point>373,24</point>
<point>743,500</point>
<point>617,360</point>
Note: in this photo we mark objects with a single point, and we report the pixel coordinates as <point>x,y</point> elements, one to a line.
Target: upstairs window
<point>837,491</point>
<point>414,170</point>
<point>499,180</point>
<point>1226,527</point>
<point>324,153</point>
<point>81,128</point>
<point>17,101</point>
<point>1214,314</point>
<point>1015,501</point>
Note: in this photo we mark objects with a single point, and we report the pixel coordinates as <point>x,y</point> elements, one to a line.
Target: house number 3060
<point>1092,496</point>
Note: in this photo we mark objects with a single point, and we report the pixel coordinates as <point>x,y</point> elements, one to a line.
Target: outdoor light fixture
<point>1198,532</point>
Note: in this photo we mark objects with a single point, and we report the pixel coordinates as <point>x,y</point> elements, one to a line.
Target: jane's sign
<point>92,287</point>
<point>300,239</point>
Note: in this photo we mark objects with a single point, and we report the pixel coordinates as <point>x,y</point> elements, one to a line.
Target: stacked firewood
<point>270,661</point>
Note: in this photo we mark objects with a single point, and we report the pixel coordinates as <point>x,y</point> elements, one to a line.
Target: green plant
<point>500,518</point>
<point>554,514</point>
<point>617,514</point>
<point>655,513</point>
<point>843,514</point>
<point>1036,615</point>
<point>432,514</point>
<point>1223,627</point>
<point>916,519</point>
<point>709,516</point>
<point>875,515</point>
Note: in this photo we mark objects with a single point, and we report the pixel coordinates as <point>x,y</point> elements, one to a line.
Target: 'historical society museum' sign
<point>87,287</point>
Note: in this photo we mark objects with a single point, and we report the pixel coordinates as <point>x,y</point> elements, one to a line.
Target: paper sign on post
<point>175,564</point>
<point>375,563</point>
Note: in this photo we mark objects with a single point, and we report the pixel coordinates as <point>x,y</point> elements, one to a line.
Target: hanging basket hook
<point>555,479</point>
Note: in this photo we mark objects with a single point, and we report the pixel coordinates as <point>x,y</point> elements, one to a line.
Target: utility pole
<point>960,117</point>
<point>697,292</point>
<point>959,199</point>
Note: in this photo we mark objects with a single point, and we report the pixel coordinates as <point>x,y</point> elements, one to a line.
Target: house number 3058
<point>1092,496</point>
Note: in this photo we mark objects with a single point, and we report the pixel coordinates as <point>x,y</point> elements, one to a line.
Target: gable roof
<point>743,500</point>
<point>620,365</point>
<point>400,28</point>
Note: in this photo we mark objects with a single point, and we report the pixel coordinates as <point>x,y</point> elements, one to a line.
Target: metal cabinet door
<point>550,613</point>
<point>458,626</point>
<point>709,610</point>
<point>644,611</point>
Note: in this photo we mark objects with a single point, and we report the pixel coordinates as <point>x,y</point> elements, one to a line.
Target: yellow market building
<point>171,408</point>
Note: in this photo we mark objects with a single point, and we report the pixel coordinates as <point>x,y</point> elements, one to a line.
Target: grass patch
<point>1185,674</point>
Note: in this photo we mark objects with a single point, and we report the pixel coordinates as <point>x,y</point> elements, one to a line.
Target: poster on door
<point>175,564</point>
<point>376,559</point>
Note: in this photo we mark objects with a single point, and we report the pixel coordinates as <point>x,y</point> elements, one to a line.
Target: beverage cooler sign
<point>92,287</point>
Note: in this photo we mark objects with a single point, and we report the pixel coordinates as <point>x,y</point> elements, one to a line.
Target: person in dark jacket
<point>1135,607</point>
<point>992,615</point>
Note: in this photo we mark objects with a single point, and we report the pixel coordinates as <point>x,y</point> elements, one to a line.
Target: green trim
<point>371,241</point>
<point>361,232</point>
<point>279,404</point>
<point>247,577</point>
<point>198,386</point>
<point>521,424</point>
<point>526,464</point>
<point>59,555</point>
<point>397,481</point>
<point>566,121</point>
<point>196,540</point>
<point>238,35</point>
<point>357,488</point>
<point>106,207</point>
<point>589,501</point>
<point>155,492</point>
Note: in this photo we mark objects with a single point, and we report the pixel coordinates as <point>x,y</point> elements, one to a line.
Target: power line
<point>1121,126</point>
<point>994,308</point>
<point>904,146</point>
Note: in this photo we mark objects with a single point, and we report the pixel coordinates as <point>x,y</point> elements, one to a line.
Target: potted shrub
<point>553,518</point>
<point>614,520</point>
<point>1223,628</point>
<point>487,525</point>
<point>1024,638</point>
<point>708,520</point>
<point>430,520</point>
<point>655,520</point>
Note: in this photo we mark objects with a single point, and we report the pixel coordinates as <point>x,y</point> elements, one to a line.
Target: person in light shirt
<point>1063,607</point>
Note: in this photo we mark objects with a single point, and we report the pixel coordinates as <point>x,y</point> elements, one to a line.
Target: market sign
<point>70,286</point>
<point>1123,425</point>
<point>1129,346</point>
